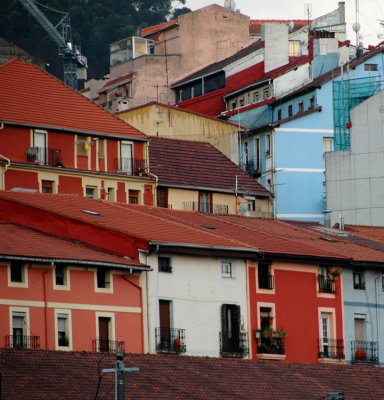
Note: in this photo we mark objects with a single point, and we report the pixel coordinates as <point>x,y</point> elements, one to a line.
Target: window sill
<point>266,356</point>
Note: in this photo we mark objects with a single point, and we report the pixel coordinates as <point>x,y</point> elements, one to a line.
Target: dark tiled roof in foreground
<point>36,375</point>
<point>30,96</point>
<point>199,165</point>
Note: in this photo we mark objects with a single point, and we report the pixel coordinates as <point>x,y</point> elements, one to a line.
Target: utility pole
<point>119,371</point>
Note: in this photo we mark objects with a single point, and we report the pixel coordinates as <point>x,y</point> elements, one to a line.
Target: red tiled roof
<point>23,242</point>
<point>112,82</point>
<point>159,225</point>
<point>255,24</point>
<point>184,163</point>
<point>150,30</point>
<point>30,96</point>
<point>56,375</point>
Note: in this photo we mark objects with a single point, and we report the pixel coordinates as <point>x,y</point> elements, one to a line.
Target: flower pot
<point>360,354</point>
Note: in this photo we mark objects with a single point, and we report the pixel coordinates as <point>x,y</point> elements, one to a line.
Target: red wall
<point>70,185</point>
<point>22,179</point>
<point>128,325</point>
<point>66,143</point>
<point>121,193</point>
<point>14,143</point>
<point>297,303</point>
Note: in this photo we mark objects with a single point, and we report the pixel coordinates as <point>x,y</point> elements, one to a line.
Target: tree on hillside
<point>95,24</point>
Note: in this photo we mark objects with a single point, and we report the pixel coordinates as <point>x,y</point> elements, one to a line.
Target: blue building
<point>286,153</point>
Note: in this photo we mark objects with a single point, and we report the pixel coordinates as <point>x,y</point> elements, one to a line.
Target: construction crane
<point>74,63</point>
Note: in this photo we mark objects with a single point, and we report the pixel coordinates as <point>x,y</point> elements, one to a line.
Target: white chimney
<point>275,37</point>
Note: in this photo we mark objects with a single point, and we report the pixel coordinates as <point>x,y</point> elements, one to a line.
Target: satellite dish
<point>230,4</point>
<point>356,27</point>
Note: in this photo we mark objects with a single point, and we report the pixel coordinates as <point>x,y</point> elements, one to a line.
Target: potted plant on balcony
<point>360,354</point>
<point>267,332</point>
<point>280,333</point>
<point>258,333</point>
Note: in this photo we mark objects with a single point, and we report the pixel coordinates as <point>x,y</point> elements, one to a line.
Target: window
<point>265,278</point>
<point>241,102</point>
<point>18,329</point>
<point>279,114</point>
<point>250,205</point>
<point>126,156</point>
<point>325,281</point>
<point>90,192</point>
<point>214,82</point>
<point>234,105</point>
<point>62,330</point>
<point>266,318</point>
<point>111,194</point>
<point>230,329</point>
<point>327,144</point>
<point>165,264</point>
<point>370,67</point>
<point>17,272</point>
<point>294,48</point>
<point>257,154</point>
<point>358,280</point>
<point>61,275</point>
<point>256,97</point>
<point>47,186</point>
<point>265,93</point>
<point>133,196</point>
<point>312,102</point>
<point>103,279</point>
<point>268,144</point>
<point>227,270</point>
<point>301,106</point>
<point>290,110</point>
<point>82,146</point>
<point>162,197</point>
<point>40,146</point>
<point>205,202</point>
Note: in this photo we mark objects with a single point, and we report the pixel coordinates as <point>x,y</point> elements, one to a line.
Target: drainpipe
<point>156,185</point>
<point>46,308</point>
<point>7,165</point>
<point>126,278</point>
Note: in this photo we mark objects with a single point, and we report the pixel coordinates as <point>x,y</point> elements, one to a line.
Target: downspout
<point>156,185</point>
<point>126,278</point>
<point>46,308</point>
<point>6,165</point>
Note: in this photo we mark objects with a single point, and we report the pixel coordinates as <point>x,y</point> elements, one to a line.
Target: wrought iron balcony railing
<point>170,340</point>
<point>207,208</point>
<point>107,346</point>
<point>364,352</point>
<point>131,166</point>
<point>44,156</point>
<point>331,348</point>
<point>271,344</point>
<point>230,347</point>
<point>326,285</point>
<point>22,342</point>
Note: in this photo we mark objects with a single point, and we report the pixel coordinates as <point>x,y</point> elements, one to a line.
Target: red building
<point>54,140</point>
<point>292,279</point>
<point>58,294</point>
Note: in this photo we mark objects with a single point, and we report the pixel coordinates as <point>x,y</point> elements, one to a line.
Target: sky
<point>369,12</point>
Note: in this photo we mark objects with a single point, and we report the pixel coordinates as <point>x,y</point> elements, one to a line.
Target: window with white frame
<point>17,274</point>
<point>227,269</point>
<point>61,277</point>
<point>62,330</point>
<point>267,144</point>
<point>19,331</point>
<point>358,280</point>
<point>103,278</point>
<point>90,192</point>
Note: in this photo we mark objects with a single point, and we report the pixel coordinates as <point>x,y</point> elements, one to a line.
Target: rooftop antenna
<point>119,371</point>
<point>230,4</point>
<point>356,26</point>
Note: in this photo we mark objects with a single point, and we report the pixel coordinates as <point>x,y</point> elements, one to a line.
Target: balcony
<point>170,340</point>
<point>22,342</point>
<point>44,156</point>
<point>363,352</point>
<point>107,346</point>
<point>131,166</point>
<point>253,169</point>
<point>230,347</point>
<point>326,285</point>
<point>331,349</point>
<point>271,344</point>
<point>207,208</point>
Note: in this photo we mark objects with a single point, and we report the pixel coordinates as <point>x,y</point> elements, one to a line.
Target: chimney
<point>275,37</point>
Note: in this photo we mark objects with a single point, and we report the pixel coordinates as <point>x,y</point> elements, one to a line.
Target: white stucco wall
<point>197,291</point>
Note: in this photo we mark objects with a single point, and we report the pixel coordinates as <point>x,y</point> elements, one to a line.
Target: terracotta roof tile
<point>23,242</point>
<point>255,24</point>
<point>28,374</point>
<point>159,225</point>
<point>30,96</point>
<point>151,30</point>
<point>199,165</point>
